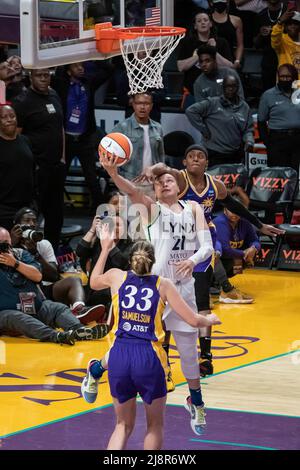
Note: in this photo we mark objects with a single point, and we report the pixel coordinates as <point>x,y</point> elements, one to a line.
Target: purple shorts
<point>134,367</point>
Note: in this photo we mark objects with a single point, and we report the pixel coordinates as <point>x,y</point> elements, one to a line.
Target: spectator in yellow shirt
<point>284,40</point>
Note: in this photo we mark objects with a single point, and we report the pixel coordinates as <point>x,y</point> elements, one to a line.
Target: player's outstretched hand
<point>213,319</point>
<point>271,230</point>
<point>106,237</point>
<point>208,320</point>
<point>109,163</point>
<point>185,268</point>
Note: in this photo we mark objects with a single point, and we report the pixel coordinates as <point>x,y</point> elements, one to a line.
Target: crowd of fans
<point>47,118</point>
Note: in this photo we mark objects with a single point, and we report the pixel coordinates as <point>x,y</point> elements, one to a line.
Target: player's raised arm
<point>113,278</point>
<point>236,207</point>
<point>125,186</point>
<point>169,293</point>
<point>203,233</point>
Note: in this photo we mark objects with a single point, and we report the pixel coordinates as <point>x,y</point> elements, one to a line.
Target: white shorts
<point>172,321</point>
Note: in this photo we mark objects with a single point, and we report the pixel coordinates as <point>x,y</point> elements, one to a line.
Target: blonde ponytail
<point>142,258</point>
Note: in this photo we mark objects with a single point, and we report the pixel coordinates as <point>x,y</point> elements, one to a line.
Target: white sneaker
<point>89,386</point>
<point>235,296</point>
<point>198,422</point>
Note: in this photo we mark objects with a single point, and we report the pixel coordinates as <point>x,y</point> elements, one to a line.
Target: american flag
<point>152,16</point>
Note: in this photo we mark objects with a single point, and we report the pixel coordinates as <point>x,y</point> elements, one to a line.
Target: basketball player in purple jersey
<point>181,239</point>
<point>197,185</point>
<point>137,360</point>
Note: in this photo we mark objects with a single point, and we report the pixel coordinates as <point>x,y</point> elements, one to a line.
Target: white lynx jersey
<point>174,238</point>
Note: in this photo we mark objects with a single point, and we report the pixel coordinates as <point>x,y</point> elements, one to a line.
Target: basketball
<point>116,144</point>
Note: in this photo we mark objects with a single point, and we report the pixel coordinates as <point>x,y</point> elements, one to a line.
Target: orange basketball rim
<point>144,50</point>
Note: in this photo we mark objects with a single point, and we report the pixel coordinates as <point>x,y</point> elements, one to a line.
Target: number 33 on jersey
<point>138,308</point>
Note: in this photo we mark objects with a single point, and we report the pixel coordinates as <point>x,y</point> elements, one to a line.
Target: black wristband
<point>237,208</point>
<point>17,264</point>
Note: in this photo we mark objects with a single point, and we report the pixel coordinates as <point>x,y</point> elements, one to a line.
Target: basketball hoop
<point>144,49</point>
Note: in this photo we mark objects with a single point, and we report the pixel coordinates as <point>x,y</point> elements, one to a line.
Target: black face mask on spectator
<point>285,85</point>
<point>220,7</point>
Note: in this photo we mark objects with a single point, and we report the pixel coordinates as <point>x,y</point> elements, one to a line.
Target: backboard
<point>60,32</point>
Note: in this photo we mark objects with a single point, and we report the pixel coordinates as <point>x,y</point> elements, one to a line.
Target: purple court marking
<point>91,431</point>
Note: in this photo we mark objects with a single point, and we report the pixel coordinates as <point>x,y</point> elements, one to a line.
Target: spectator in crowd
<point>67,290</point>
<point>89,248</point>
<point>225,143</point>
<point>248,10</point>
<point>285,40</point>
<point>237,245</point>
<point>202,33</point>
<point>121,82</point>
<point>77,93</point>
<point>145,134</point>
<point>16,64</point>
<point>6,72</point>
<point>229,27</point>
<point>23,308</point>
<point>16,168</point>
<point>266,19</point>
<point>279,120</point>
<point>209,83</point>
<point>18,81</point>
<point>11,74</point>
<point>40,118</point>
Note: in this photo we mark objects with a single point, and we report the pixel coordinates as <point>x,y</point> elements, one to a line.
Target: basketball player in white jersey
<point>181,239</point>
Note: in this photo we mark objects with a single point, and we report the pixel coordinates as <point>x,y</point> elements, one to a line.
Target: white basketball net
<point>144,59</point>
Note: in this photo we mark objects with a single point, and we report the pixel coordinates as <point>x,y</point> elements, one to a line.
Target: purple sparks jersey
<point>138,308</point>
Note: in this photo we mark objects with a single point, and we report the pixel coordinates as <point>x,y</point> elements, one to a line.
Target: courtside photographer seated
<point>24,311</point>
<point>25,234</point>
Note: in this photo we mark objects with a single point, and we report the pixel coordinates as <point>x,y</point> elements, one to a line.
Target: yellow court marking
<point>40,382</point>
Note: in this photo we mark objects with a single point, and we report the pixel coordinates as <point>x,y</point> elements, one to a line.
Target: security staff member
<point>279,120</point>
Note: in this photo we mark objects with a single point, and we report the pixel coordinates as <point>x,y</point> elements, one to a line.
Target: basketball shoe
<point>65,337</point>
<point>235,296</point>
<point>89,385</point>
<point>88,314</point>
<point>198,422</point>
<point>87,334</point>
<point>205,365</point>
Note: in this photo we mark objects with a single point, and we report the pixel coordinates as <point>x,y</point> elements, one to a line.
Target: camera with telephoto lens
<point>4,247</point>
<point>30,234</point>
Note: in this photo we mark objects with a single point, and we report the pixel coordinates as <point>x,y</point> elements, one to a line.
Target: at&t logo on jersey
<point>140,328</point>
<point>126,326</point>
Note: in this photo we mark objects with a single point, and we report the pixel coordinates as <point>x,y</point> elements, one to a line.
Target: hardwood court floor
<point>252,399</point>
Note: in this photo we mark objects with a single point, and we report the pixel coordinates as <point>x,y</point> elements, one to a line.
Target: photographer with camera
<point>24,311</point>
<point>69,290</point>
